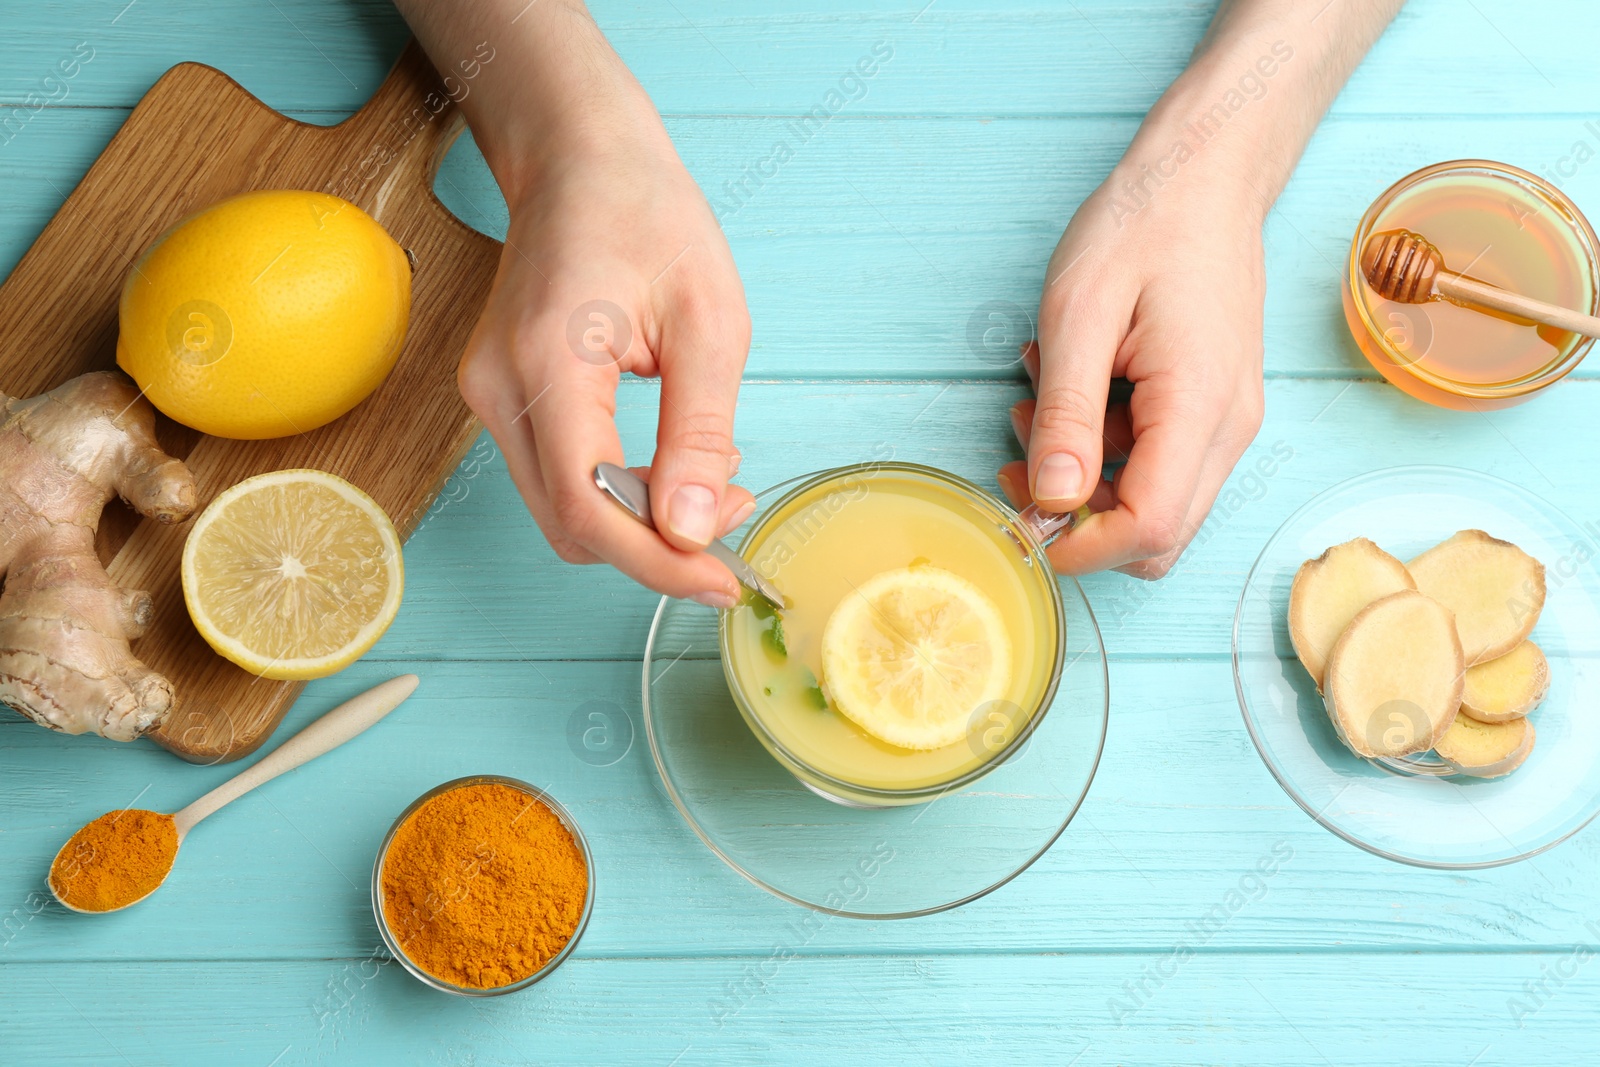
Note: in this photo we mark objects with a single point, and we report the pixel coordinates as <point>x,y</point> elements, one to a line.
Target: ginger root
<point>64,624</point>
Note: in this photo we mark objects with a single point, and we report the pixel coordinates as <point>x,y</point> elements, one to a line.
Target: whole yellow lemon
<point>265,315</point>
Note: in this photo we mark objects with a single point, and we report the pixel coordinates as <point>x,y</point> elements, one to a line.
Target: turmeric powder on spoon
<point>115,860</point>
<point>124,856</point>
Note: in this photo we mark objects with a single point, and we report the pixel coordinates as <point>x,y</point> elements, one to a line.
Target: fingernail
<point>734,461</point>
<point>693,514</point>
<point>1016,425</point>
<point>737,517</point>
<point>1005,485</point>
<point>716,599</point>
<point>1060,478</point>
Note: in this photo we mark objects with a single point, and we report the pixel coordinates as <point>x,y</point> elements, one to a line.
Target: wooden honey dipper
<point>1405,266</point>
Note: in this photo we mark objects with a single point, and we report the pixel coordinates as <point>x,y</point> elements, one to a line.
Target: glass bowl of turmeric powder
<point>483,886</point>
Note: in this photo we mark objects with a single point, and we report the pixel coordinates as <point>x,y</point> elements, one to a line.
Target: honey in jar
<point>1500,225</point>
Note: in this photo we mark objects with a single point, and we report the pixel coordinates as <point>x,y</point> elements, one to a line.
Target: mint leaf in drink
<point>813,692</point>
<point>760,605</point>
<point>772,637</point>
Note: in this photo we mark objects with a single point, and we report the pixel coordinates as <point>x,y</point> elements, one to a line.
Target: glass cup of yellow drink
<point>922,641</point>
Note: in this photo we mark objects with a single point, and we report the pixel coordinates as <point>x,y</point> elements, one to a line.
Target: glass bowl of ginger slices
<point>1413,652</point>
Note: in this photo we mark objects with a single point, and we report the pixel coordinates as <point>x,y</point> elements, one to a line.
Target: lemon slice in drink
<point>911,654</point>
<point>293,574</point>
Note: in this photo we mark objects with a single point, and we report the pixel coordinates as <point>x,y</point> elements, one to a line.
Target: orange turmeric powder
<point>483,885</point>
<point>115,860</point>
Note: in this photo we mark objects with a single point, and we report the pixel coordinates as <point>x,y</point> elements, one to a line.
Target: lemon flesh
<point>911,656</point>
<point>293,574</point>
<point>265,315</point>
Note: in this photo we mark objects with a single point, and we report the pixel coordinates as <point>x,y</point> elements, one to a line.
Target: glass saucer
<point>1415,810</point>
<point>881,863</point>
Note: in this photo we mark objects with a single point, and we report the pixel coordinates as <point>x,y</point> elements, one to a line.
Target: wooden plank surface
<point>853,274</point>
<point>916,1009</point>
<point>1161,838</point>
<point>964,57</point>
<point>963,161</point>
<point>1331,430</point>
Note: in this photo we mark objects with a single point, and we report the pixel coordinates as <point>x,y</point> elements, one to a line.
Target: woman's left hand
<point>1168,295</point>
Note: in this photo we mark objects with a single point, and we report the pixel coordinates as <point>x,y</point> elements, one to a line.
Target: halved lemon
<point>293,574</point>
<point>911,654</point>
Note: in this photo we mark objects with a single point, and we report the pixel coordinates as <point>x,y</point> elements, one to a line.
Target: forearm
<point>1258,84</point>
<point>553,82</point>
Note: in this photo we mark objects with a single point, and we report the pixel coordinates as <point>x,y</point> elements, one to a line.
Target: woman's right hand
<point>613,263</point>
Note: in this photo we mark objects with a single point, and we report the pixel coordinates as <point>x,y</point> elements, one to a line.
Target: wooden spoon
<point>1406,267</point>
<point>327,733</point>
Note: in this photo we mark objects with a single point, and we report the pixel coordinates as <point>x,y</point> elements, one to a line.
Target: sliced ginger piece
<point>1328,592</point>
<point>1484,749</point>
<point>1394,677</point>
<point>1495,589</point>
<point>1506,687</point>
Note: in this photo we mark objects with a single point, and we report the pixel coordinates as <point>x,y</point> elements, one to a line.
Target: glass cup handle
<point>1046,526</point>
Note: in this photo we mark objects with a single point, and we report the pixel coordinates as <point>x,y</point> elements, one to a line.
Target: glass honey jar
<point>1498,224</point>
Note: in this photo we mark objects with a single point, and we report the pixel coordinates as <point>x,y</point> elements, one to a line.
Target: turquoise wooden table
<point>941,189</point>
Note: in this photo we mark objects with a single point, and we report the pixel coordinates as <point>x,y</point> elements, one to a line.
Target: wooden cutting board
<point>195,138</point>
